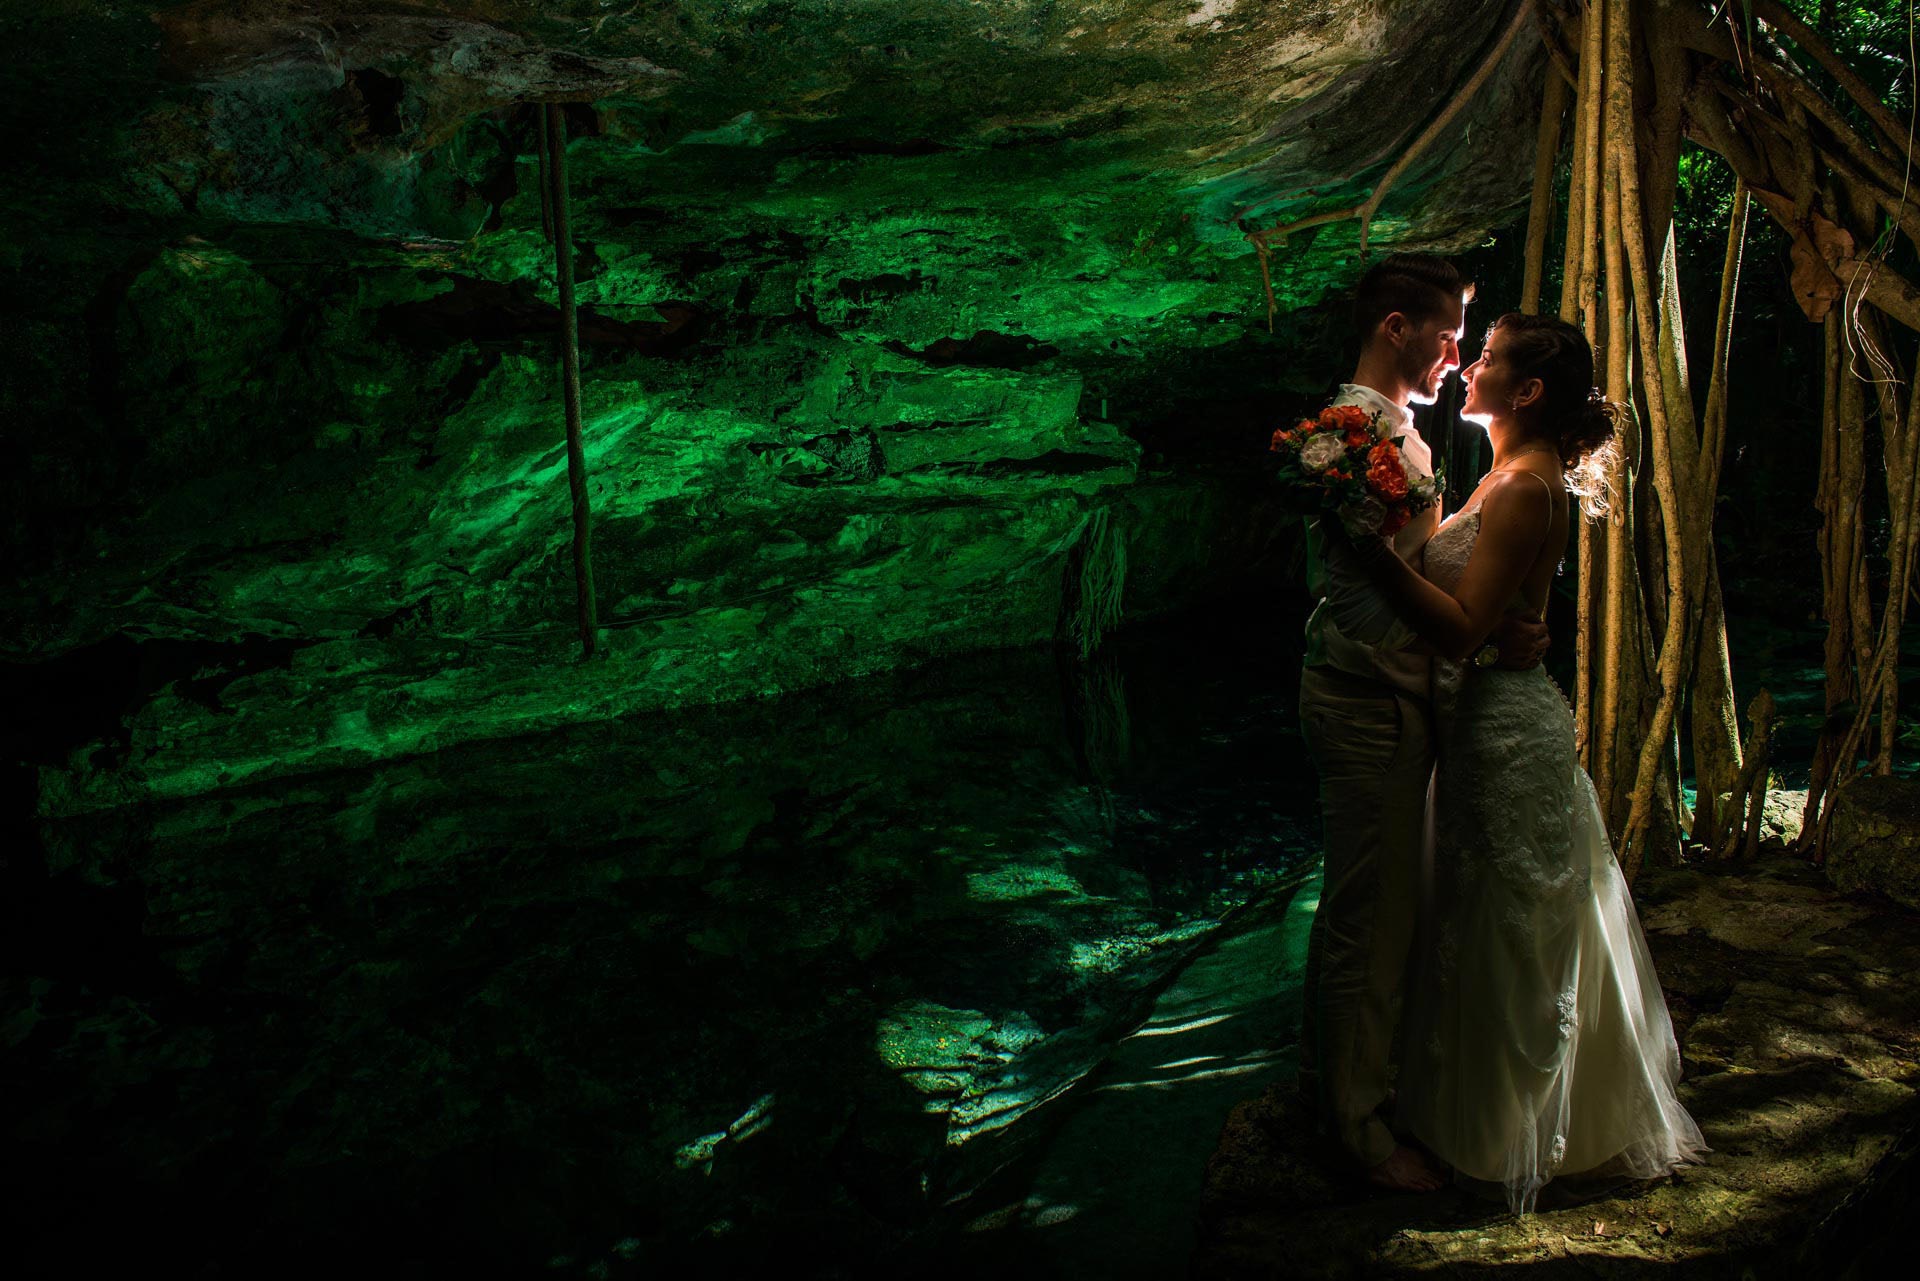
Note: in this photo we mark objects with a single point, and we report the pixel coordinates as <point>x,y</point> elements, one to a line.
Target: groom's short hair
<point>1418,286</point>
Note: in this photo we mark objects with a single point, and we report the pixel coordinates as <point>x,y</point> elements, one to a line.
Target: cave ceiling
<point>392,120</point>
<point>899,318</point>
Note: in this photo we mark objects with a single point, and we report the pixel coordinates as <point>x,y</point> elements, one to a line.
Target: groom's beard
<point>1427,390</point>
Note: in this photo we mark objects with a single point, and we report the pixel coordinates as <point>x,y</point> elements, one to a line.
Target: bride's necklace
<point>1506,466</point>
<point>1534,449</point>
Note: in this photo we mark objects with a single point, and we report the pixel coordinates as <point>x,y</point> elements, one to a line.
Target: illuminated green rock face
<point>908,329</point>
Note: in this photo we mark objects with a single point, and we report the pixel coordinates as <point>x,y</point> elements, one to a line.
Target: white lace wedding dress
<point>1537,1039</point>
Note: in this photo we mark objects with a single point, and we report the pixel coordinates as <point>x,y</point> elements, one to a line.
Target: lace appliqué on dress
<point>1568,1008</point>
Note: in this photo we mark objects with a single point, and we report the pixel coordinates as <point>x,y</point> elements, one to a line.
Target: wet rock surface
<point>692,991</point>
<point>1799,1028</point>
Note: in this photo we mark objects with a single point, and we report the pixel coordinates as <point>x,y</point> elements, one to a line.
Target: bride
<point>1537,1040</point>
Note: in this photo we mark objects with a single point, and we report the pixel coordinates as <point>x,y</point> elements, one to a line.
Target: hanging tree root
<point>1878,673</point>
<point>1833,565</point>
<point>544,157</point>
<point>1633,237</point>
<point>1903,499</point>
<point>1749,787</point>
<point>1828,183</point>
<point>1715,729</point>
<point>554,122</point>
<point>1595,210</point>
<point>1621,578</point>
<point>1582,248</point>
<point>1546,147</point>
<point>1367,208</point>
<point>1558,53</point>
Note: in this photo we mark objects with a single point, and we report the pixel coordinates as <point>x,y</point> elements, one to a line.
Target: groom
<point>1364,708</point>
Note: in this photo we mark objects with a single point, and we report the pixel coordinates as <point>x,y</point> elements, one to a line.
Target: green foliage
<point>1876,38</point>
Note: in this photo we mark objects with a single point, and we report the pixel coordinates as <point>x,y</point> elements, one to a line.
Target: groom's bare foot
<point>1405,1171</point>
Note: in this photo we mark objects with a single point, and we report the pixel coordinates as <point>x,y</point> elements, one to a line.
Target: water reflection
<point>789,976</point>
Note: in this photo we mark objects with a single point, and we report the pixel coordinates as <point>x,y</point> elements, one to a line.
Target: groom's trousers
<point>1373,747</point>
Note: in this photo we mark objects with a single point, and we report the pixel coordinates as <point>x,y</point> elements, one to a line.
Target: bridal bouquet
<point>1339,463</point>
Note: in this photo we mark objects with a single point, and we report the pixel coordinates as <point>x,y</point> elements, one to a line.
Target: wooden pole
<point>554,127</point>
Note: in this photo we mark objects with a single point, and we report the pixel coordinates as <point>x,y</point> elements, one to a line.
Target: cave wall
<point>909,329</point>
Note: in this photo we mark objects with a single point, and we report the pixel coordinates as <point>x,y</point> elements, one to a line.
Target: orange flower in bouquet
<point>1348,418</point>
<point>1385,475</point>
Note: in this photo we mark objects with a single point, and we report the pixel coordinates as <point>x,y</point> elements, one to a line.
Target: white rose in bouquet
<point>1364,517</point>
<point>1322,451</point>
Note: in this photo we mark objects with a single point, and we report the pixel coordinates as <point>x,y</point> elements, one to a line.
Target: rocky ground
<point>1800,1034</point>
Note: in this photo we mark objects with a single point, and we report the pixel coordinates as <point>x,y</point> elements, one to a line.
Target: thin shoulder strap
<point>1543,484</point>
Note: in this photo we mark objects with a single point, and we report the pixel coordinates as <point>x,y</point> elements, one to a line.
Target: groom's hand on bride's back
<point>1522,640</point>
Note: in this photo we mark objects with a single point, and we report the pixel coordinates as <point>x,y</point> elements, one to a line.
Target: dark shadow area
<point>711,990</point>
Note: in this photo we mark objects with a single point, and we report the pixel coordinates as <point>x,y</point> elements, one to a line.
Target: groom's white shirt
<point>1353,629</point>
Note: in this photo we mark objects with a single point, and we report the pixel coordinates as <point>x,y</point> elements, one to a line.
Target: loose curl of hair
<point>1579,421</point>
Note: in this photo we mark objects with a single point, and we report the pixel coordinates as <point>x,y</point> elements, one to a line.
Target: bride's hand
<point>1523,642</point>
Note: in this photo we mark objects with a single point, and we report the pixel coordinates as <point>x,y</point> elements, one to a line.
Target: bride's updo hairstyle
<point>1577,419</point>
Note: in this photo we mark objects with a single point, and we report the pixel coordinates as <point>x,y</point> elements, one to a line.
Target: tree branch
<point>1778,16</point>
<point>1788,78</point>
